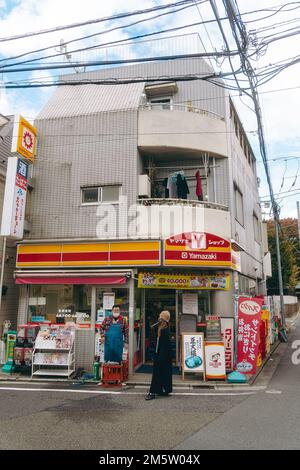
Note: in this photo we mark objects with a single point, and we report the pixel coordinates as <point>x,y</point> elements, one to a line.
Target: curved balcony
<point>181,129</point>
<point>161,218</point>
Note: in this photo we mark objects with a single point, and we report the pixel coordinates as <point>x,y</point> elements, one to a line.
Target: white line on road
<point>119,392</point>
<point>278,392</point>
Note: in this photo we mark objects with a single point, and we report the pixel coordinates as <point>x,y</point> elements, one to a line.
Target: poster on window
<point>193,352</point>
<point>249,318</point>
<point>215,360</point>
<point>190,303</point>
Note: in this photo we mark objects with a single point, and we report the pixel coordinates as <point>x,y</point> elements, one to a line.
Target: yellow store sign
<point>210,281</point>
<point>24,138</point>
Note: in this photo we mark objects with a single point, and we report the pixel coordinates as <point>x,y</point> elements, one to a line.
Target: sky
<point>279,98</point>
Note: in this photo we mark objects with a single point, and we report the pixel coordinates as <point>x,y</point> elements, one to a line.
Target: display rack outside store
<point>54,353</point>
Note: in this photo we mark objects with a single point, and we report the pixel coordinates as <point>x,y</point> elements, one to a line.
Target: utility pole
<point>241,38</point>
<point>298,214</point>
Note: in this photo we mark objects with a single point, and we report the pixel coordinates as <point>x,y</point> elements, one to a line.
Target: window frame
<point>100,195</point>
<point>237,190</point>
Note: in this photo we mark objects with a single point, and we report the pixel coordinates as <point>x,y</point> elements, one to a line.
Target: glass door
<point>157,300</point>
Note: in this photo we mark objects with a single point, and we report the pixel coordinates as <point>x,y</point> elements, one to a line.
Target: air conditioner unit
<point>144,186</point>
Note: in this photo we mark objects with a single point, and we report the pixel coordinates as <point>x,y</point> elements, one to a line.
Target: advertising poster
<point>205,281</point>
<point>249,318</point>
<point>215,360</point>
<point>193,352</point>
<point>227,331</point>
<point>213,328</point>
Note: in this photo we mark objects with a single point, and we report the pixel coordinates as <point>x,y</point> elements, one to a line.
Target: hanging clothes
<point>165,185</point>
<point>182,186</point>
<point>199,192</point>
<point>172,187</point>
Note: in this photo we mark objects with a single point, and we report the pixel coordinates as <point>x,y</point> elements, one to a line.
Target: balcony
<point>174,128</point>
<point>162,218</point>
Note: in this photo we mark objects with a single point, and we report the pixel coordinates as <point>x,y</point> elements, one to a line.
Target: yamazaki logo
<point>249,307</point>
<point>198,241</point>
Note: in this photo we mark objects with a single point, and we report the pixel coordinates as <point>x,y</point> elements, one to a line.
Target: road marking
<point>119,392</point>
<point>278,392</point>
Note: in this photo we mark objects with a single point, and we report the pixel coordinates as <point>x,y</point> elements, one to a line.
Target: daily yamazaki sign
<point>197,249</point>
<point>129,253</point>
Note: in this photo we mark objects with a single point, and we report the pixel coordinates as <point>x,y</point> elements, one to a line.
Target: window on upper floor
<point>239,206</point>
<point>160,103</point>
<point>101,194</point>
<point>256,228</point>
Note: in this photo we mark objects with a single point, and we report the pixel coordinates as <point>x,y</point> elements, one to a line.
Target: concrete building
<point>105,215</point>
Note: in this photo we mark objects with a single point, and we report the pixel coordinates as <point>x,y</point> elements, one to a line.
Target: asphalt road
<point>43,416</point>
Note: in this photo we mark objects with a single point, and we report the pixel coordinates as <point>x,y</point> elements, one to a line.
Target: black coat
<point>162,365</point>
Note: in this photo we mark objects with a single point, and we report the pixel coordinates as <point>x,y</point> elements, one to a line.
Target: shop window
<point>60,303</point>
<point>239,207</point>
<point>101,194</point>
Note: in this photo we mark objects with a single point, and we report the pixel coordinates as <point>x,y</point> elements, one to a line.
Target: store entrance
<point>157,300</point>
<point>173,300</point>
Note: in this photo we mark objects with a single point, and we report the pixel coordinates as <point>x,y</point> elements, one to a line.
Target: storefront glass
<point>59,303</point>
<point>156,301</point>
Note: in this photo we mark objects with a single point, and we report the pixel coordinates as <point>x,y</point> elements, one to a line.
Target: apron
<point>113,345</point>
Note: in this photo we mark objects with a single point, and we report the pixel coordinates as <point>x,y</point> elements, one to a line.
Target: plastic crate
<point>112,375</point>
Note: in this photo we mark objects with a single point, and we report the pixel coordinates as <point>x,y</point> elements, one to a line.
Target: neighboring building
<point>10,291</point>
<point>103,149</point>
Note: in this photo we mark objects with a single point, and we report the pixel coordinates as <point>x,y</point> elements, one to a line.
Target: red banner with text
<point>249,318</point>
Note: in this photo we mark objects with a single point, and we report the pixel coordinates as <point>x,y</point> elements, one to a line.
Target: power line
<point>98,20</point>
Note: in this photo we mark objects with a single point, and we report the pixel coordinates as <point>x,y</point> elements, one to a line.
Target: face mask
<point>116,315</point>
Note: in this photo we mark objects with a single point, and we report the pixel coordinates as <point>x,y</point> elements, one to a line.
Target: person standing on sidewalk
<point>161,383</point>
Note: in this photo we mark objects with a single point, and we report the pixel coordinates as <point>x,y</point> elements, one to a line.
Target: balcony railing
<point>181,202</point>
<point>181,107</point>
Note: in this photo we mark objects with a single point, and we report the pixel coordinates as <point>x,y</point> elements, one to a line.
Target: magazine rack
<point>54,353</point>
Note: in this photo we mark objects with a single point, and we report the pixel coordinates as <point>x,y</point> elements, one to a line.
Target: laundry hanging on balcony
<point>199,192</point>
<point>177,185</point>
<point>182,187</point>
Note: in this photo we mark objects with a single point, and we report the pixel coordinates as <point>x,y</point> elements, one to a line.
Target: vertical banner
<point>227,330</point>
<point>249,318</point>
<point>13,214</point>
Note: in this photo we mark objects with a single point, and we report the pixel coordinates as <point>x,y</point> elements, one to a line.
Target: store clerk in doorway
<point>114,334</point>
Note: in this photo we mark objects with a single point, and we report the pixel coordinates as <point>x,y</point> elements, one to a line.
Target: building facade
<point>143,192</point>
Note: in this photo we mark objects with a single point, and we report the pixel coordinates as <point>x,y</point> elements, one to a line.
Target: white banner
<point>13,215</point>
<point>227,330</point>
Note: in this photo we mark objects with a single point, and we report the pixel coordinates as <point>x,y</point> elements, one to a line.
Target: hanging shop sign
<point>192,353</point>
<point>227,331</point>
<point>13,214</point>
<point>236,260</point>
<point>249,318</point>
<point>215,281</point>
<point>128,253</point>
<point>24,139</point>
<point>215,360</point>
<point>197,249</point>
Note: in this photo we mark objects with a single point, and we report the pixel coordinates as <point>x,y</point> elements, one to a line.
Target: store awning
<point>65,279</point>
